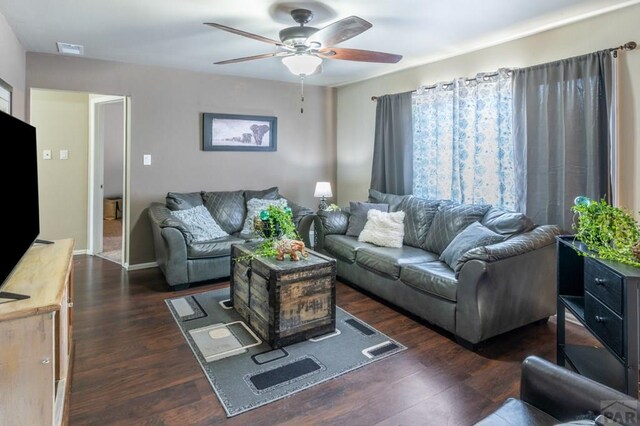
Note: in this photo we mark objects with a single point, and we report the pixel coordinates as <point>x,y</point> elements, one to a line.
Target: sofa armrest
<point>327,223</point>
<point>161,216</point>
<point>304,228</point>
<point>500,295</point>
<point>170,244</point>
<point>298,211</point>
<point>537,238</point>
<point>566,395</point>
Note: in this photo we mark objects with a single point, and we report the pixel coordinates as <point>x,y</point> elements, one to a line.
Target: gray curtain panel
<point>561,135</point>
<point>392,170</point>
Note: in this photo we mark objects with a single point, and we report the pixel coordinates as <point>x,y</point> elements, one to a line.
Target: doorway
<point>107,177</point>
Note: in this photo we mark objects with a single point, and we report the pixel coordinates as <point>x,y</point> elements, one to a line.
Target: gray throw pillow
<point>264,194</point>
<point>227,208</point>
<point>358,215</point>
<point>183,201</point>
<point>394,201</point>
<point>450,219</point>
<point>507,223</point>
<point>199,223</point>
<point>474,235</point>
<point>419,214</point>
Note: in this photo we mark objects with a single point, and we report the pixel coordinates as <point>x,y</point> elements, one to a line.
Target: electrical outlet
<point>64,154</point>
<point>146,160</point>
<point>46,154</point>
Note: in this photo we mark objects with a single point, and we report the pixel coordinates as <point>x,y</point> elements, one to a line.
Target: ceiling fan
<point>302,48</point>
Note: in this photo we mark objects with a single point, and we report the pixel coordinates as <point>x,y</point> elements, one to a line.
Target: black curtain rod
<point>630,45</point>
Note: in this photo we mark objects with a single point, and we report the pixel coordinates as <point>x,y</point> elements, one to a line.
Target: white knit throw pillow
<point>383,229</point>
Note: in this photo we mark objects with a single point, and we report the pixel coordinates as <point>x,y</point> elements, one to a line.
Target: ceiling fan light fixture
<point>302,65</point>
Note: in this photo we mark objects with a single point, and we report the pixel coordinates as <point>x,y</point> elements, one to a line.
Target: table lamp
<point>323,190</point>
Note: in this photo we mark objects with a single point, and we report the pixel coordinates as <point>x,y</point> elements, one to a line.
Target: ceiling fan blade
<point>340,31</point>
<point>251,58</point>
<point>245,34</point>
<point>358,55</point>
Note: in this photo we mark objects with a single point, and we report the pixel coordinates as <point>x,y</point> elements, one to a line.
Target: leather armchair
<point>550,395</point>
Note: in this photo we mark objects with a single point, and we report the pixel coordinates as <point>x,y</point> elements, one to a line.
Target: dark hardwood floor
<point>133,366</point>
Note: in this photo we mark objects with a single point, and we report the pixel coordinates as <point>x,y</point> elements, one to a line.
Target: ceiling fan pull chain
<point>302,94</point>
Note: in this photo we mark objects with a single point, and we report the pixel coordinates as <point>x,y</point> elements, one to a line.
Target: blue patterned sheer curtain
<point>462,141</point>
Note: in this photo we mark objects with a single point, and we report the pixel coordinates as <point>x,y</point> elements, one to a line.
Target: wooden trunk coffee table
<point>286,301</point>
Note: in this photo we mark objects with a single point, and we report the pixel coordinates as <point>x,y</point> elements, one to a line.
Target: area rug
<point>246,373</point>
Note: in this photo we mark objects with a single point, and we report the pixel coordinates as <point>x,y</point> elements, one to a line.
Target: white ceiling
<point>171,33</point>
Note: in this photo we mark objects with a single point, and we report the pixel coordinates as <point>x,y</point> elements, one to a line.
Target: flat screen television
<point>19,214</point>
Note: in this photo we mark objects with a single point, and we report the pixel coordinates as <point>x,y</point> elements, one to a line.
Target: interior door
<point>96,170</point>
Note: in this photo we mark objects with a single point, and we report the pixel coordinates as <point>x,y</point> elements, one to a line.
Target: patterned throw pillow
<point>199,223</point>
<point>383,229</point>
<point>254,207</point>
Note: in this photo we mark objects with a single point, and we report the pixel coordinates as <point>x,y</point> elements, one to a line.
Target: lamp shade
<point>302,64</point>
<point>323,189</point>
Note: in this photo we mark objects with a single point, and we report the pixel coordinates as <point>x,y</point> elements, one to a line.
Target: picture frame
<point>6,92</point>
<point>234,132</point>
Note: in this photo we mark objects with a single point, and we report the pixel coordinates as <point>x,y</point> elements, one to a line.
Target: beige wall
<point>62,122</point>
<point>356,111</point>
<point>166,107</point>
<point>12,66</point>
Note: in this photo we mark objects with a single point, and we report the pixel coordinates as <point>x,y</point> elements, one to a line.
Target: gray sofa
<point>493,289</point>
<point>184,261</point>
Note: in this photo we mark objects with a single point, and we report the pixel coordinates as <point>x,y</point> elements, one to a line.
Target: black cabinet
<point>603,296</point>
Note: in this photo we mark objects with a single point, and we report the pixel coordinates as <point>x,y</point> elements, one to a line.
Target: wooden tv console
<point>36,337</point>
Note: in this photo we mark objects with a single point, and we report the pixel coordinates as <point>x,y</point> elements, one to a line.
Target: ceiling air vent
<point>70,49</point>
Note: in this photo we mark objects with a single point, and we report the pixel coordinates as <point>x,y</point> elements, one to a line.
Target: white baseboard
<point>139,266</point>
<point>78,252</point>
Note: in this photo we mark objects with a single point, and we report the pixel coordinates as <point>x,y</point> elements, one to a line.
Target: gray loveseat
<point>184,261</point>
<point>490,290</point>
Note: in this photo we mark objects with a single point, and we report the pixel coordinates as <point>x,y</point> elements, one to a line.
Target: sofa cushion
<point>433,277</point>
<point>214,248</point>
<point>419,216</point>
<point>199,224</point>
<point>383,229</point>
<point>227,208</point>
<point>254,207</point>
<point>394,201</point>
<point>183,201</point>
<point>264,194</point>
<point>450,219</point>
<point>343,246</point>
<point>358,215</point>
<point>388,261</point>
<point>507,223</point>
<point>474,235</point>
<point>333,222</point>
<point>516,412</point>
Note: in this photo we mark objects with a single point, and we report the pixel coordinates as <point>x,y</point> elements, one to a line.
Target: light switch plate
<point>146,160</point>
<point>64,154</point>
<point>46,154</point>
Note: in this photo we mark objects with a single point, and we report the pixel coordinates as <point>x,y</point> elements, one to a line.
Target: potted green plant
<point>608,231</point>
<point>278,231</point>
